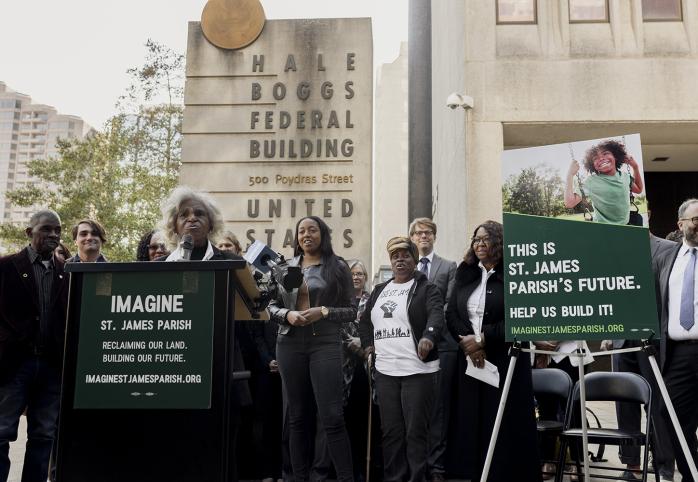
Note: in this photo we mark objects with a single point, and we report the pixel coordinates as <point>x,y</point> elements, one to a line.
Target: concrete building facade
<point>544,72</point>
<point>28,131</point>
<point>390,166</point>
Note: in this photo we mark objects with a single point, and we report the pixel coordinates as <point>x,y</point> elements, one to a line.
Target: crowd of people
<point>347,380</point>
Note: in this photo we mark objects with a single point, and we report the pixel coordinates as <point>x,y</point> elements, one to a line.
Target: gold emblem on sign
<point>232,24</point>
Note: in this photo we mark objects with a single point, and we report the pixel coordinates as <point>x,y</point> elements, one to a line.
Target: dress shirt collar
<point>33,255</point>
<point>429,256</point>
<point>684,248</point>
<point>485,270</point>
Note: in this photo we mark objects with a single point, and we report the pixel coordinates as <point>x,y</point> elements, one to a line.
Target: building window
<point>9,104</point>
<point>587,11</point>
<point>661,10</point>
<point>516,11</point>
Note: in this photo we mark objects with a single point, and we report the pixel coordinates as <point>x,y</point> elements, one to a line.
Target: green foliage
<point>119,174</point>
<point>537,190</point>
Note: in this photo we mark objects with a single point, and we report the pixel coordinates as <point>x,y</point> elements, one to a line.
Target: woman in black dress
<point>475,317</point>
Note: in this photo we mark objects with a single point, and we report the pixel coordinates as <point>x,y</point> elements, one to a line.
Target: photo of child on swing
<point>599,180</point>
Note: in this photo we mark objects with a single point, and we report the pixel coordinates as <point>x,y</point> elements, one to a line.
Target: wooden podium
<point>148,386</point>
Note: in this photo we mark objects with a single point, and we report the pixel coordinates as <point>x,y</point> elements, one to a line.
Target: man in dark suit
<point>33,302</point>
<point>628,414</point>
<point>679,326</point>
<point>441,272</point>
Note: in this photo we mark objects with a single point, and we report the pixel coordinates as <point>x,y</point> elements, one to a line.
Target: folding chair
<point>557,383</point>
<point>612,387</point>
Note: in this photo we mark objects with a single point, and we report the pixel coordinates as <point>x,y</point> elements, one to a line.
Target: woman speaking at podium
<point>190,219</point>
<point>309,348</point>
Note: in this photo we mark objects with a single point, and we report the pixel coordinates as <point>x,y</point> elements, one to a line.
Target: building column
<point>483,167</point>
<point>419,112</point>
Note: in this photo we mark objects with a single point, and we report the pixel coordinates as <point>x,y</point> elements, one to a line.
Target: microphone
<point>265,260</point>
<point>187,246</point>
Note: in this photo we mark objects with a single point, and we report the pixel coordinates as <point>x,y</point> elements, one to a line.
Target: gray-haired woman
<point>191,212</point>
<point>186,211</point>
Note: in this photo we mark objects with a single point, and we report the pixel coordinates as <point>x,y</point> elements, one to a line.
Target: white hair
<point>170,210</point>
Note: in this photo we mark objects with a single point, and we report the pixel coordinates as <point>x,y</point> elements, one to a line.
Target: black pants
<point>441,414</point>
<point>681,378</point>
<point>35,386</point>
<point>629,416</point>
<point>311,367</point>
<point>405,406</point>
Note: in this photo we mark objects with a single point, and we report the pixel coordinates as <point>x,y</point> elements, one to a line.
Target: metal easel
<point>646,347</point>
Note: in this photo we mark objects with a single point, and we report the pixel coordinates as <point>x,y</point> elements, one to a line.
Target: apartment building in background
<point>28,131</point>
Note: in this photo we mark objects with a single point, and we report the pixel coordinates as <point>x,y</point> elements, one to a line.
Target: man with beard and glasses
<point>33,305</point>
<point>676,273</point>
<point>89,237</point>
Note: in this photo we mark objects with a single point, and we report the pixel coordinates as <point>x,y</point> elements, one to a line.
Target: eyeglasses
<point>694,220</point>
<point>357,275</point>
<point>157,246</point>
<point>476,241</point>
<point>419,234</point>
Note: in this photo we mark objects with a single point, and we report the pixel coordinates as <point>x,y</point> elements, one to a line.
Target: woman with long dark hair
<point>309,347</point>
<point>475,317</point>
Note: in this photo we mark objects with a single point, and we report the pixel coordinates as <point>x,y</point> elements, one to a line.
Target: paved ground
<point>604,410</point>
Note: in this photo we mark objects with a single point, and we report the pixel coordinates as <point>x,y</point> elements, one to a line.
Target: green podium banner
<point>145,340</point>
<point>571,280</point>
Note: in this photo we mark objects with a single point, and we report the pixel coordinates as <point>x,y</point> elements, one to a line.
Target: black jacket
<point>19,312</point>
<point>425,311</point>
<point>467,280</point>
<point>342,311</point>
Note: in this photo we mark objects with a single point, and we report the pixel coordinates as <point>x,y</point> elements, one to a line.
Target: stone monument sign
<point>282,128</point>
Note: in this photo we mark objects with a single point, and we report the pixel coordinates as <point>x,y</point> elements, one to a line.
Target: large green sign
<point>571,280</point>
<point>145,340</point>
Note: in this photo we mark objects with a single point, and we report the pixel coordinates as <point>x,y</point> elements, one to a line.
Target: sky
<point>73,54</point>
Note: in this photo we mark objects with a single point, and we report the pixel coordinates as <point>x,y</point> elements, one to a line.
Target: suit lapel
<point>463,299</point>
<point>26,275</point>
<point>435,267</point>
<point>664,287</point>
<point>666,272</point>
<point>58,280</point>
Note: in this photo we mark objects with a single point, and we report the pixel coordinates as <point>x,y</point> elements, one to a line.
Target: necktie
<point>686,315</point>
<point>424,266</point>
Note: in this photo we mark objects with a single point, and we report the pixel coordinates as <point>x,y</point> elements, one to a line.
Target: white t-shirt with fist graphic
<point>394,344</point>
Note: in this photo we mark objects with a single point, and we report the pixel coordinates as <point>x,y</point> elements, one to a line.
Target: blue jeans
<point>35,386</point>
